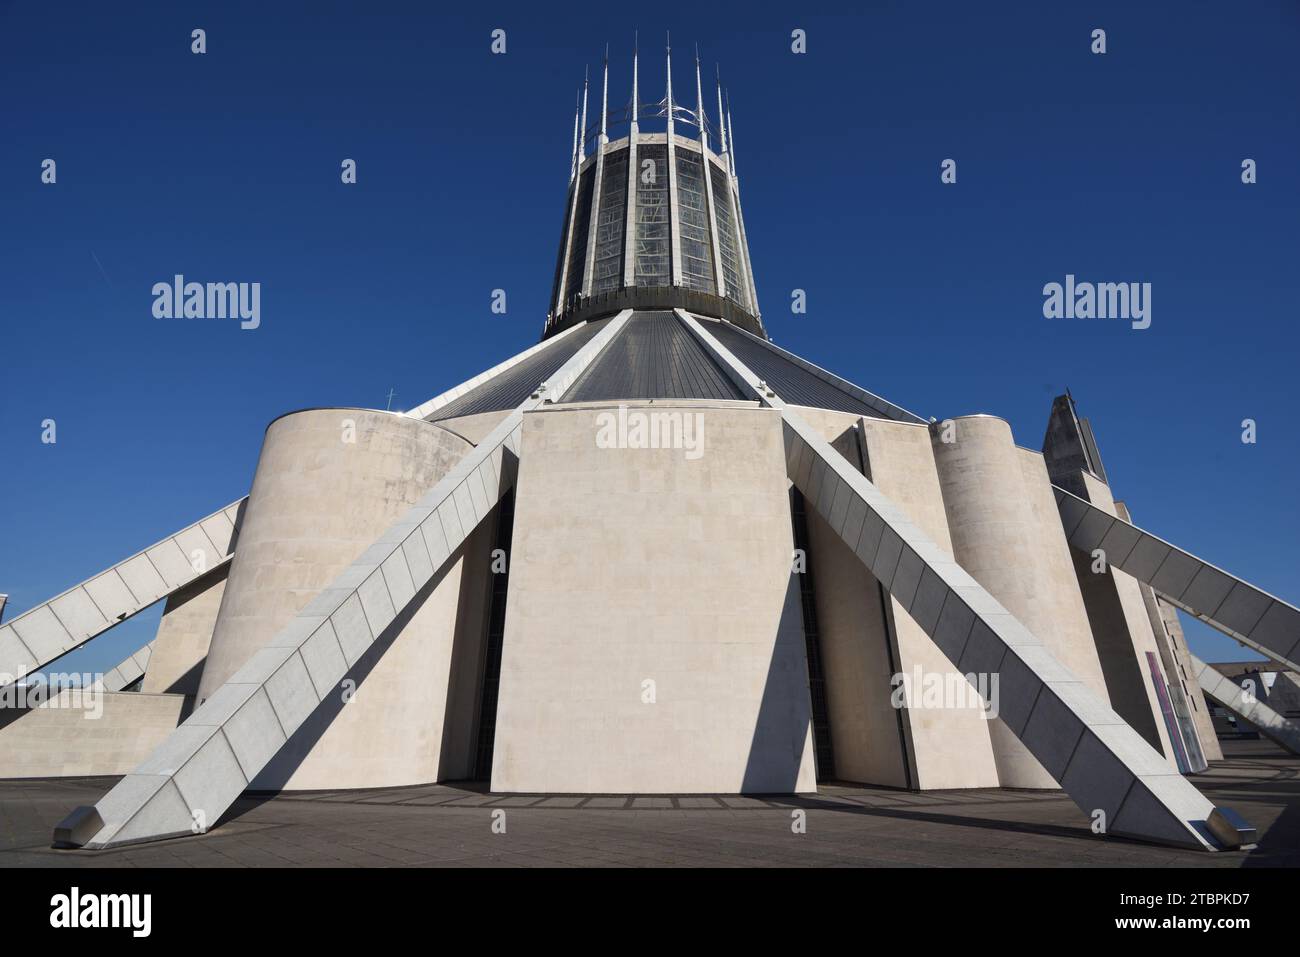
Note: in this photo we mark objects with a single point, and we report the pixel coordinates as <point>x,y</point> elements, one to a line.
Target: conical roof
<point>655,356</point>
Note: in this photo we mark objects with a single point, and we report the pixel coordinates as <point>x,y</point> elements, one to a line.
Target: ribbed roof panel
<point>654,357</point>
<point>509,388</point>
<point>795,384</point>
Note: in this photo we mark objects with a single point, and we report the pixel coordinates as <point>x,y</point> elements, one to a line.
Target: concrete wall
<point>317,502</point>
<point>1057,594</point>
<point>1187,673</point>
<point>62,740</point>
<point>465,685</point>
<point>1173,665</point>
<point>632,565</point>
<point>869,736</point>
<point>1007,534</point>
<point>951,745</point>
<point>473,428</point>
<point>867,637</point>
<point>1185,732</point>
<point>1123,635</point>
<point>184,634</point>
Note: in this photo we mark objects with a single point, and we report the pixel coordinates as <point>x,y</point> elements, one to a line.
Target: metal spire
<point>731,126</point>
<point>670,83</point>
<point>635,93</point>
<point>582,140</point>
<point>573,154</point>
<point>674,225</point>
<point>710,200</point>
<point>629,217</point>
<point>699,104</point>
<point>604,101</point>
<point>722,119</point>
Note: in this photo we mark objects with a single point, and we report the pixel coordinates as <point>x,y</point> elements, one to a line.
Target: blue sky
<point>225,167</point>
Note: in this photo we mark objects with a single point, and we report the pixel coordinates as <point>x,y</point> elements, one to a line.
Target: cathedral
<point>654,554</point>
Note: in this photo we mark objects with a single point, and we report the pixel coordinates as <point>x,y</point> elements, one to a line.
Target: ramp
<point>1235,607</point>
<point>66,622</point>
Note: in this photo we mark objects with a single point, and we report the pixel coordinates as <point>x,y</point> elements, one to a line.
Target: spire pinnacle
<point>635,92</point>
<point>604,101</point>
<point>732,127</point>
<point>582,138</point>
<point>722,119</point>
<point>699,102</point>
<point>669,53</point>
<point>573,155</point>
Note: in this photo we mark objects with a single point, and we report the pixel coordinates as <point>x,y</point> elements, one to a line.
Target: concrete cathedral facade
<point>655,553</point>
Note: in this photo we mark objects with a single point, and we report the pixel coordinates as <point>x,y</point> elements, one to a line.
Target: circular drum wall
<point>1005,536</point>
<point>328,483</point>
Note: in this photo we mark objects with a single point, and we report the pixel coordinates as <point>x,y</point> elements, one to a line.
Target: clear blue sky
<point>1122,167</point>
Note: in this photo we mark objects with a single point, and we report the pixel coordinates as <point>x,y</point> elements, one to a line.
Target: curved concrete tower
<point>328,483</point>
<point>1006,534</point>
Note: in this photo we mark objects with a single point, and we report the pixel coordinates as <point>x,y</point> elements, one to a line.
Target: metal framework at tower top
<point>653,219</point>
<point>635,110</point>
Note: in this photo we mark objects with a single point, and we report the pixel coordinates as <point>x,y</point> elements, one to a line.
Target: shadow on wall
<point>785,713</point>
<point>188,685</point>
<point>291,756</point>
<point>239,524</point>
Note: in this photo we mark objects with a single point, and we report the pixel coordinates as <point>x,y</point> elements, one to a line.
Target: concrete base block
<point>1230,829</point>
<point>78,827</point>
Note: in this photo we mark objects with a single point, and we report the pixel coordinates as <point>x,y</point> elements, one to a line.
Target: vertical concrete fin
<point>1237,608</point>
<point>1282,732</point>
<point>66,622</point>
<point>1172,659</point>
<point>1101,763</point>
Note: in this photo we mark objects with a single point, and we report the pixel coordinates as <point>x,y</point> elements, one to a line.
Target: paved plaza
<point>444,825</point>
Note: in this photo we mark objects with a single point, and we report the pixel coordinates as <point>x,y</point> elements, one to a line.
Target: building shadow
<point>784,720</point>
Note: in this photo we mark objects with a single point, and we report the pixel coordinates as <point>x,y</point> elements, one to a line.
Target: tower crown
<point>653,217</point>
